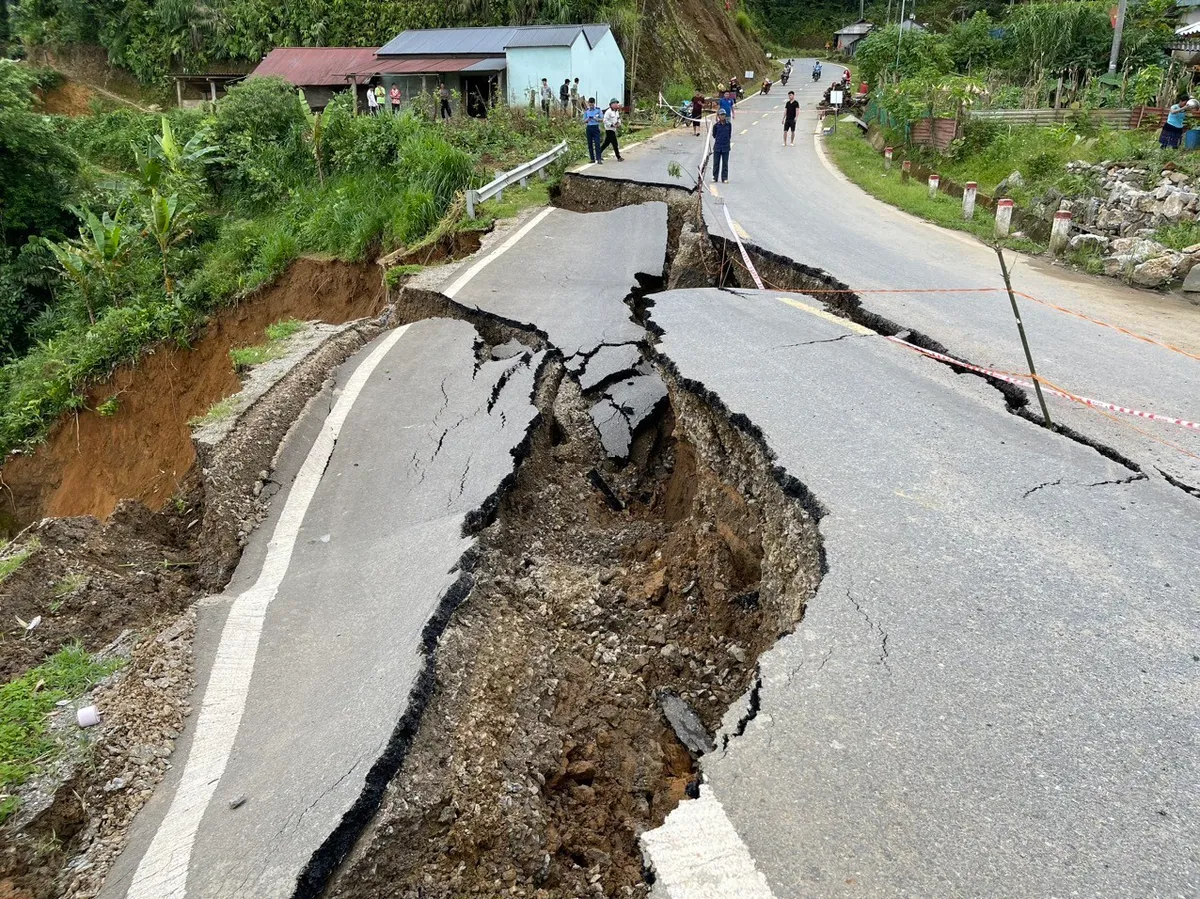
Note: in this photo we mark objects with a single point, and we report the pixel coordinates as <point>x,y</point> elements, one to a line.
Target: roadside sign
<point>835,98</point>
<point>750,74</point>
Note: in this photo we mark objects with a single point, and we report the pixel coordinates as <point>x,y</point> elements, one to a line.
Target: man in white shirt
<point>612,121</point>
<point>547,97</point>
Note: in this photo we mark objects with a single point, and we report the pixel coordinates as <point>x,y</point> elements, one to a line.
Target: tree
<point>167,223</point>
<point>922,54</point>
<point>971,44</point>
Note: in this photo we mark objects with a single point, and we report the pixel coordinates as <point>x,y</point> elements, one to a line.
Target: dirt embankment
<point>693,39</point>
<point>143,451</point>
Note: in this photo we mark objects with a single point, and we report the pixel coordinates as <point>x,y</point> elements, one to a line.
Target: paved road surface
<point>786,200</point>
<point>360,554</point>
<point>994,692</point>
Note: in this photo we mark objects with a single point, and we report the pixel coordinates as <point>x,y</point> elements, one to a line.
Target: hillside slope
<point>663,40</point>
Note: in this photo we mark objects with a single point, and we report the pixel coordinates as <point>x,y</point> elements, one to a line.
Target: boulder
<point>1179,178</point>
<point>1174,205</point>
<point>1184,266</point>
<point>1155,272</point>
<point>1194,248</point>
<point>1191,284</point>
<point>1088,242</point>
<point>1137,248</point>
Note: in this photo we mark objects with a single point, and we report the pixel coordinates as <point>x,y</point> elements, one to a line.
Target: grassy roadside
<point>26,744</point>
<point>859,161</point>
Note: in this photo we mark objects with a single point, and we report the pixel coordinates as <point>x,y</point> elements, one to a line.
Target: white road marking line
<point>697,854</point>
<point>741,232</point>
<point>743,131</point>
<point>712,188</point>
<point>163,870</point>
<point>500,250</point>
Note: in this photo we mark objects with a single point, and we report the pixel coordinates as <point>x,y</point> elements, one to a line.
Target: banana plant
<point>91,260</point>
<point>167,223</point>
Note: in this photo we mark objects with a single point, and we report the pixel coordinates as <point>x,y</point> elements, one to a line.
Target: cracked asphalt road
<point>428,440</point>
<point>993,692</point>
<point>786,201</point>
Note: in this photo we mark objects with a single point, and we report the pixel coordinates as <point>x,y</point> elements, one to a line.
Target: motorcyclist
<point>787,72</point>
<point>816,71</point>
<point>766,86</point>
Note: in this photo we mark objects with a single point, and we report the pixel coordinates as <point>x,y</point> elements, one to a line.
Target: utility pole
<point>899,39</point>
<point>1116,44</point>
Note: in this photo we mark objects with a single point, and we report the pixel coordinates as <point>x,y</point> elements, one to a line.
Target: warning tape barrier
<point>1028,381</point>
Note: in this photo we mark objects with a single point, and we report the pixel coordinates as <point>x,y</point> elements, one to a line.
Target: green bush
<point>261,127</point>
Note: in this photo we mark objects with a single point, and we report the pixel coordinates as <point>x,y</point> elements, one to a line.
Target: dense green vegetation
<point>150,37</point>
<point>25,706</point>
<point>122,229</point>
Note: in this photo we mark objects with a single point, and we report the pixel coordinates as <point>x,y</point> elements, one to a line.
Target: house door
<point>480,92</point>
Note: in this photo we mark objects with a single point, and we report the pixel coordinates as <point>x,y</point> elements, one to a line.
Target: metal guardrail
<point>519,175</point>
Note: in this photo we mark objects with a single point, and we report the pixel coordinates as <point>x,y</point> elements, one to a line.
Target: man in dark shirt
<point>722,138</point>
<point>790,109</point>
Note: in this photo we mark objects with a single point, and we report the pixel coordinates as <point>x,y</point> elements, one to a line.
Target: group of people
<point>377,96</point>
<point>722,133</point>
<point>570,97</point>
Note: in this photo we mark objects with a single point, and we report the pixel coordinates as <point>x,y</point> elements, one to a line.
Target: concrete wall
<point>600,70</point>
<point>527,66</point>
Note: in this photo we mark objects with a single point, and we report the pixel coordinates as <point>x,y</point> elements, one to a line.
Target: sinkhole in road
<point>597,591</point>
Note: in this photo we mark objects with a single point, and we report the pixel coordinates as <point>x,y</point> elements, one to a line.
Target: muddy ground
<point>142,452</point>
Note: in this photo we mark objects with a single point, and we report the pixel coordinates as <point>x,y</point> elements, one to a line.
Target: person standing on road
<point>593,117</point>
<point>394,96</point>
<point>697,112</point>
<point>722,140</point>
<point>444,110</point>
<point>612,121</point>
<point>547,97</point>
<point>790,109</point>
<point>726,104</point>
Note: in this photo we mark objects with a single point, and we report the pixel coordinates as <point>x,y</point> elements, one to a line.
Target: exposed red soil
<point>142,452</point>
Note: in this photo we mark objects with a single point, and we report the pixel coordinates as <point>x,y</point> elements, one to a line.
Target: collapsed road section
<point>321,641</point>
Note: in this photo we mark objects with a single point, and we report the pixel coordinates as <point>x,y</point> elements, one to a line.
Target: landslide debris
<point>544,750</point>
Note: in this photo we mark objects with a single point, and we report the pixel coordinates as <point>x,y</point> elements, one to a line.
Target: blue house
<point>485,64</point>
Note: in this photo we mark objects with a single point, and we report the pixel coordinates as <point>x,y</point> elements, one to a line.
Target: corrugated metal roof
<point>318,66</point>
<point>593,33</point>
<point>497,64</point>
<point>1186,30</point>
<point>487,41</point>
<point>449,41</point>
<point>548,36</point>
<point>856,28</point>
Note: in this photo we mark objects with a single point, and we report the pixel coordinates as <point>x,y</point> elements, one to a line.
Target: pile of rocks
<point>1119,223</point>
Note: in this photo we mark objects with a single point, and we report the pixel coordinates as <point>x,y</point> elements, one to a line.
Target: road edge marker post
<point>969,200</point>
<point>887,159</point>
<point>905,170</point>
<point>1004,212</point>
<point>1060,232</point>
<point>935,181</point>
<point>1012,298</point>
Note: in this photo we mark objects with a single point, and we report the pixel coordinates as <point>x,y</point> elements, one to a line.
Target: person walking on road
<point>547,97</point>
<point>697,112</point>
<point>394,96</point>
<point>612,121</point>
<point>593,118</point>
<point>790,109</point>
<point>444,110</point>
<point>722,140</point>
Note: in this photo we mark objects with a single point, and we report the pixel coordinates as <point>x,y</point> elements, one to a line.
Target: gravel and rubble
<point>545,751</point>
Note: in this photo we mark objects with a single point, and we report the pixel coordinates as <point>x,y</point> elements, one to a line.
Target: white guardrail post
<point>519,175</point>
